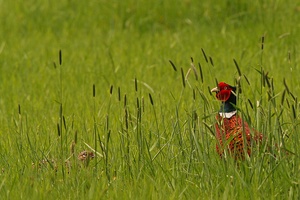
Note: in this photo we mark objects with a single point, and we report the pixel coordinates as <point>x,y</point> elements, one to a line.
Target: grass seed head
<point>204,55</point>
<point>183,78</point>
<point>151,100</point>
<point>125,100</point>
<point>173,65</point>
<point>60,57</point>
<point>94,90</point>
<point>119,94</point>
<point>111,89</point>
<point>201,74</point>
<point>211,61</point>
<point>237,67</point>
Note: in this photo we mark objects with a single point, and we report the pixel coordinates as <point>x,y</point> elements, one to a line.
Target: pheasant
<point>233,135</point>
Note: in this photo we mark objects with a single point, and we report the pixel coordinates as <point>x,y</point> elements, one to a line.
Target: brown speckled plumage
<point>235,137</point>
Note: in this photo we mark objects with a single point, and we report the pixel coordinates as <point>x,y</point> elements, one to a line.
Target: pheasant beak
<point>216,89</point>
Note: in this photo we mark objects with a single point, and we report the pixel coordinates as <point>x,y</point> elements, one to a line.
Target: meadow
<point>130,81</point>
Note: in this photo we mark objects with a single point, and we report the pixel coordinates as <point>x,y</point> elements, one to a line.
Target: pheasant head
<point>226,94</point>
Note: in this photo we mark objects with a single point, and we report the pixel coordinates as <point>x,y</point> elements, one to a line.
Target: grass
<point>97,75</point>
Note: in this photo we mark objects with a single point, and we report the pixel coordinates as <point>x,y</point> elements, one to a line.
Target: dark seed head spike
<point>262,42</point>
<point>111,89</point>
<point>174,67</point>
<point>135,84</point>
<point>247,80</point>
<point>125,100</point>
<point>64,121</point>
<point>251,105</point>
<point>183,79</point>
<point>126,119</point>
<point>238,85</point>
<point>267,80</point>
<point>216,82</point>
<point>209,90</point>
<point>119,94</point>
<point>194,94</point>
<point>294,111</point>
<point>58,129</point>
<point>205,57</point>
<point>272,84</point>
<point>137,103</point>
<point>237,67</point>
<point>286,86</point>
<point>75,138</point>
<point>293,96</point>
<point>60,57</point>
<point>194,70</point>
<point>151,100</point>
<point>211,61</point>
<point>94,90</point>
<point>19,108</point>
<point>200,69</point>
<point>195,115</point>
<point>288,103</point>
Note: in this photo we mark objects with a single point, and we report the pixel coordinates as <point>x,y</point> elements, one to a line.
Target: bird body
<point>233,134</point>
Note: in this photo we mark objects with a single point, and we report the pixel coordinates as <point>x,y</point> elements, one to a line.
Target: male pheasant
<point>233,135</point>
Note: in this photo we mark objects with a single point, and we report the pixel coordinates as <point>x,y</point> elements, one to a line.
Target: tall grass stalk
<point>139,135</point>
<point>63,137</point>
<point>262,81</point>
<point>95,128</point>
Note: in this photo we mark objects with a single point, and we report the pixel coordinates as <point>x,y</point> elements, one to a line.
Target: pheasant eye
<point>225,88</point>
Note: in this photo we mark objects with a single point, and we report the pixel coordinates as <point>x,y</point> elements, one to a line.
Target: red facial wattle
<point>223,95</point>
<point>224,92</point>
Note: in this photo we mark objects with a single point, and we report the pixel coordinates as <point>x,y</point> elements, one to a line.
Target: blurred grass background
<point>112,43</point>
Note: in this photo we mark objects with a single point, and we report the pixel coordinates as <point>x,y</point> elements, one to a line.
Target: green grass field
<point>96,75</point>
